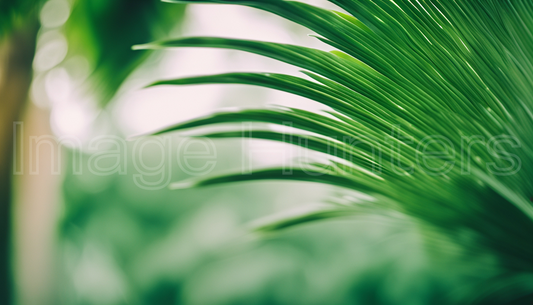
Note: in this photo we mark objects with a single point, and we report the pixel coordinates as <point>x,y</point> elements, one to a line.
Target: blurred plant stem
<point>16,57</point>
<point>34,210</point>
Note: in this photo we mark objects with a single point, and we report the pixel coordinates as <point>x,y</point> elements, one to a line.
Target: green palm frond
<point>409,79</point>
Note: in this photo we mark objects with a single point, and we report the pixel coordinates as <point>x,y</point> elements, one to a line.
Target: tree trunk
<point>16,57</point>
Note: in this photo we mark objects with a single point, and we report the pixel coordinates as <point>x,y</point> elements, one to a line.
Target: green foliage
<point>15,13</point>
<point>103,32</point>
<point>404,74</point>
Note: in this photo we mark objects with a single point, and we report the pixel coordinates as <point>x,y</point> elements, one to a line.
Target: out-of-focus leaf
<point>15,13</point>
<point>103,32</point>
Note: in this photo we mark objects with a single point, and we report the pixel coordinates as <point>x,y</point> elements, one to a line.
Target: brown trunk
<point>16,57</point>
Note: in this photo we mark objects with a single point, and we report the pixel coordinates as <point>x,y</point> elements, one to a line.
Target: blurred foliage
<point>103,31</point>
<point>15,13</point>
<point>120,244</point>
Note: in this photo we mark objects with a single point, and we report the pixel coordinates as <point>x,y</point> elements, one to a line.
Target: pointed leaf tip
<point>144,47</point>
<point>182,185</point>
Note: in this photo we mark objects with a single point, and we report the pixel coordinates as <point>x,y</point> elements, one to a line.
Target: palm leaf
<point>404,74</point>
